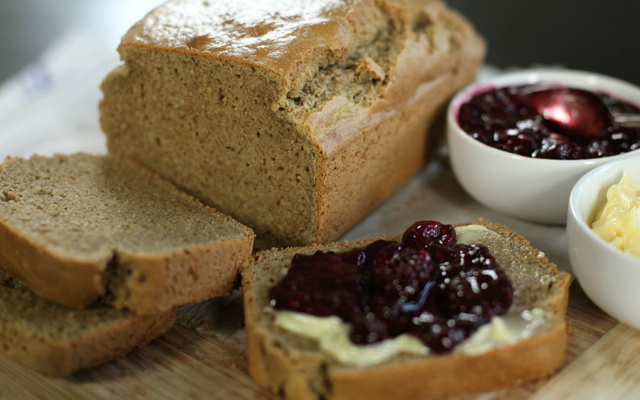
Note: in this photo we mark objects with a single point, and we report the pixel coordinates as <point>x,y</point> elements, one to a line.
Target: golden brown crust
<point>184,276</point>
<point>367,169</point>
<point>243,33</point>
<point>282,367</point>
<point>48,271</point>
<point>277,36</point>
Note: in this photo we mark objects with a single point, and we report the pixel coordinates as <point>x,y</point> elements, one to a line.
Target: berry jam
<point>536,123</point>
<point>428,286</point>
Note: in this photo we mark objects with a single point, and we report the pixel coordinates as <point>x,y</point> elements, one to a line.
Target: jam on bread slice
<point>524,285</point>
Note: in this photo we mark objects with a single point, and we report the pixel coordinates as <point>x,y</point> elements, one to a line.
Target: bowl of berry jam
<point>520,141</point>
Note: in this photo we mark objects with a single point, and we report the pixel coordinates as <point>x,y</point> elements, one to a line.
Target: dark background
<point>592,35</point>
<point>599,36</point>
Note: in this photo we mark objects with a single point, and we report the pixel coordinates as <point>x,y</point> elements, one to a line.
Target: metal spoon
<point>578,111</point>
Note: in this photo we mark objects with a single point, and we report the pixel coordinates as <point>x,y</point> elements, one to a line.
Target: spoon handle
<point>627,120</point>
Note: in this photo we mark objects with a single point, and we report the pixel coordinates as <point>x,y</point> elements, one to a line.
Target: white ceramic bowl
<point>528,188</point>
<point>609,276</point>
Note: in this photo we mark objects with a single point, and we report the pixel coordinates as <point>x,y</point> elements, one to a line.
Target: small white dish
<point>527,188</point>
<point>608,275</point>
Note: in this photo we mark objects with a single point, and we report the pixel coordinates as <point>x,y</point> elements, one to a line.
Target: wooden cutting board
<point>203,357</point>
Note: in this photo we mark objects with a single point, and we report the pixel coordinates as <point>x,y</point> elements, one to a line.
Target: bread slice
<point>55,341</point>
<point>296,367</point>
<point>78,228</point>
<point>297,118</point>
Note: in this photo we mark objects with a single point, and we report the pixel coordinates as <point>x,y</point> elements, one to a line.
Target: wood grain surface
<point>203,357</point>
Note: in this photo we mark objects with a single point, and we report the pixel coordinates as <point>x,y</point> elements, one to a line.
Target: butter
<point>470,234</point>
<point>332,336</point>
<point>504,330</point>
<point>618,220</point>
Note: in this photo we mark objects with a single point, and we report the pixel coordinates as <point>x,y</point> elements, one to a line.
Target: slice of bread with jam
<point>298,367</point>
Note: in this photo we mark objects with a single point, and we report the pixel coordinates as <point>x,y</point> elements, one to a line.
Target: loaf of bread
<point>75,229</point>
<point>56,341</point>
<point>296,118</point>
<point>296,367</point>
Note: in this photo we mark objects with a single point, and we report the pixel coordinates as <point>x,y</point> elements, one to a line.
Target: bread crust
<point>48,271</point>
<point>442,377</point>
<point>146,282</point>
<point>164,281</point>
<point>60,358</point>
<point>300,373</point>
<point>366,169</point>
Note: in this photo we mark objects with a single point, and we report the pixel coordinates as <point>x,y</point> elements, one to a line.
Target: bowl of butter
<point>603,235</point>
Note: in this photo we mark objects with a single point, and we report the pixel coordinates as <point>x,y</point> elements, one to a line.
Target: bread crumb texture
<point>87,205</point>
<point>77,227</point>
<point>296,118</point>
